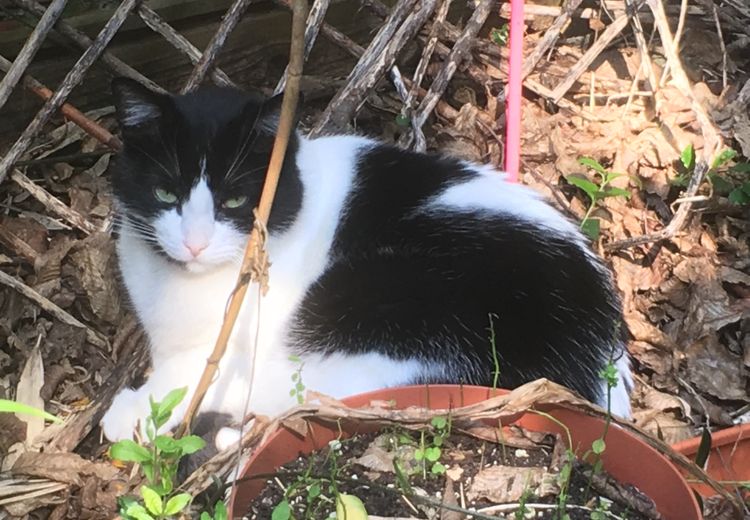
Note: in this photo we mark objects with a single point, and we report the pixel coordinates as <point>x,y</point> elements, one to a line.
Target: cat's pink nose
<point>195,248</point>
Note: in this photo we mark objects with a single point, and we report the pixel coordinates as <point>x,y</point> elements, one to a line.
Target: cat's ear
<point>138,107</point>
<point>270,112</point>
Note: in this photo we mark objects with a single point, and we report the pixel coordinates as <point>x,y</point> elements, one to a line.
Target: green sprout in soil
<point>159,458</point>
<point>429,454</point>
<point>596,192</point>
<point>733,181</point>
<point>8,406</point>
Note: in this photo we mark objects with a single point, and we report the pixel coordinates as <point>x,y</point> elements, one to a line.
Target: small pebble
<point>521,454</point>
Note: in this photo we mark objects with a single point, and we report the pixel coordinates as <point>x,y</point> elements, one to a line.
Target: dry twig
<point>32,45</point>
<point>254,252</point>
<point>179,42</point>
<point>74,76</point>
<point>460,50</point>
<point>91,335</point>
<point>84,42</point>
<point>206,62</point>
<point>69,111</point>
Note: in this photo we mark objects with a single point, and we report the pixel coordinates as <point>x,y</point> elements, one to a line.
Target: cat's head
<point>192,169</point>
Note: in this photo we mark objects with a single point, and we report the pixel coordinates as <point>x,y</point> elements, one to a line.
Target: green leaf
<point>299,387</point>
<point>432,453</point>
<point>438,469</point>
<point>170,401</point>
<point>740,168</point>
<point>314,490</point>
<point>220,511</point>
<point>586,185</point>
<point>282,511</point>
<point>437,440</point>
<point>14,407</point>
<point>704,448</point>
<point>167,444</point>
<point>138,512</point>
<point>177,503</point>
<point>418,455</point>
<point>349,507</point>
<point>292,392</point>
<point>129,451</point>
<point>152,500</point>
<point>687,157</point>
<point>594,165</point>
<point>294,359</point>
<point>439,422</point>
<point>205,516</point>
<point>499,36</point>
<point>402,120</point>
<point>295,376</point>
<point>590,228</point>
<point>190,444</point>
<point>598,446</point>
<point>724,157</point>
<point>615,192</point>
<point>720,184</point>
<point>738,196</point>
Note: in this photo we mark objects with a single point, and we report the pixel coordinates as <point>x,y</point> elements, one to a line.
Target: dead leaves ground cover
<point>687,300</point>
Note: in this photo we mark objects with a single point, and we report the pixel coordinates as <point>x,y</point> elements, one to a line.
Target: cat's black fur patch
<point>412,285</point>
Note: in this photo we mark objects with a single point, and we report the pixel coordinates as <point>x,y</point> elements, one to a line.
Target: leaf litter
<point>686,300</point>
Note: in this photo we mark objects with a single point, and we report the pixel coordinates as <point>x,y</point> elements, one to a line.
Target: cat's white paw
<point>226,437</point>
<point>127,410</point>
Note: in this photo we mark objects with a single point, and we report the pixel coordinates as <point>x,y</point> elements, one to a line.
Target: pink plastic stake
<point>513,101</point>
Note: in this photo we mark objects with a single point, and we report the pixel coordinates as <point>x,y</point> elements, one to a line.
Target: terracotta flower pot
<point>728,460</point>
<point>626,458</point>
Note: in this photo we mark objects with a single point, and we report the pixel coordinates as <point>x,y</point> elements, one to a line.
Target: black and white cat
<point>386,264</point>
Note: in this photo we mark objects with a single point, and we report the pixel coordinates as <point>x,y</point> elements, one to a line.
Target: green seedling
<point>596,192</point>
<point>499,35</point>
<point>428,455</point>
<point>158,460</point>
<point>298,389</point>
<point>729,181</point>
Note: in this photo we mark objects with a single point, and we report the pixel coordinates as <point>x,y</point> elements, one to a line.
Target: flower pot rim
<point>687,502</point>
<point>737,433</point>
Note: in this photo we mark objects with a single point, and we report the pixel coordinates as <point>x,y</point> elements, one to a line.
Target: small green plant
<point>321,492</point>
<point>298,389</point>
<point>730,181</point>
<point>495,359</point>
<point>523,511</point>
<point>429,454</point>
<point>596,192</point>
<point>220,513</point>
<point>158,460</point>
<point>601,511</point>
<point>499,35</point>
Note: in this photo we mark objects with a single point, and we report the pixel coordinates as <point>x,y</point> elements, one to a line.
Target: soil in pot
<point>406,474</point>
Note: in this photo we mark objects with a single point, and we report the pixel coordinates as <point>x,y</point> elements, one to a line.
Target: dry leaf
<point>715,370</point>
<point>69,468</point>
<point>95,262</point>
<point>27,392</point>
<point>503,484</point>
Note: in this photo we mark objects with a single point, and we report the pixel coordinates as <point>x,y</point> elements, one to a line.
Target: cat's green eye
<point>167,197</point>
<point>235,202</point>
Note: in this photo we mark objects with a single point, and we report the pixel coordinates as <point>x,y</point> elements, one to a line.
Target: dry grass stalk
<point>253,264</point>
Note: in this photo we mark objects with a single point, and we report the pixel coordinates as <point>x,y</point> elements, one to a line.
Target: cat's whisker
<point>155,161</point>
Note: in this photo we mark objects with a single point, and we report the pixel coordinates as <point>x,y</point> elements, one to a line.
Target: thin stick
<point>254,250</point>
<point>458,53</point>
<point>420,144</point>
<point>32,45</point>
<point>73,78</point>
<point>677,37</point>
<point>52,203</point>
<point>550,37</point>
<point>69,111</point>
<point>46,305</point>
<point>609,34</point>
<point>711,137</point>
<point>228,23</point>
<point>179,42</point>
<point>380,55</point>
<point>723,46</point>
<point>314,22</point>
<point>84,42</point>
